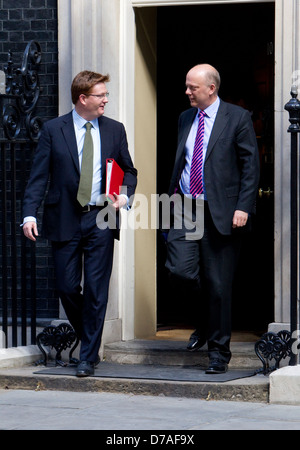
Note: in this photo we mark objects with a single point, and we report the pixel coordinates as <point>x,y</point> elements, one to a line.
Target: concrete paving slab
<point>19,356</point>
<point>112,412</point>
<point>285,385</point>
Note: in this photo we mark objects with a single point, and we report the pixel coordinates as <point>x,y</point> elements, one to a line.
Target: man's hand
<point>239,219</point>
<point>119,202</point>
<point>30,230</point>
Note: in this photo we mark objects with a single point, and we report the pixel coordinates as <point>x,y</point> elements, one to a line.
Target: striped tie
<point>196,178</point>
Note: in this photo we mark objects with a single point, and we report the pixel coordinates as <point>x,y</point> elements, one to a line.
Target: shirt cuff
<point>127,201</point>
<point>28,219</point>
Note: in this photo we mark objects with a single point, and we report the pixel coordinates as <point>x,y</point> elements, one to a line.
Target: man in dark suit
<point>80,246</point>
<point>225,178</point>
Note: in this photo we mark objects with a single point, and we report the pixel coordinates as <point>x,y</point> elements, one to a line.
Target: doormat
<point>151,372</point>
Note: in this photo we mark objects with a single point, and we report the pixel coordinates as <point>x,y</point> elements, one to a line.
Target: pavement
<point>127,415</point>
<point>147,411</point>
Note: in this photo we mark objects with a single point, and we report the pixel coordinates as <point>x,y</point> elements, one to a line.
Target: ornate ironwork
<point>22,92</point>
<point>60,338</point>
<point>293,108</point>
<point>275,347</point>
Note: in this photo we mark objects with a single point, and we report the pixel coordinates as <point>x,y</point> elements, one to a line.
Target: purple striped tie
<point>196,178</point>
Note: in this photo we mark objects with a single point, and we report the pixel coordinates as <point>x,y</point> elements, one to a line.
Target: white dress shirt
<point>209,121</point>
<point>79,127</point>
<point>80,130</point>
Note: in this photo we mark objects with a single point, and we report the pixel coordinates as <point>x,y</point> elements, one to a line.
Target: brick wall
<point>20,22</point>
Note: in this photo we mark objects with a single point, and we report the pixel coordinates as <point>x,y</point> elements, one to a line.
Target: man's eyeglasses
<point>100,96</point>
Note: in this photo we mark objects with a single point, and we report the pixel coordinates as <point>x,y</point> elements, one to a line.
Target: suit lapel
<point>219,125</point>
<point>70,138</point>
<point>185,129</point>
<point>105,137</point>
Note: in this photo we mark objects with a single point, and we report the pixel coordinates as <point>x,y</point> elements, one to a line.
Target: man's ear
<point>82,99</point>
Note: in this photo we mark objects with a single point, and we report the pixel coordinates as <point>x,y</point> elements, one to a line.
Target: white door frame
<point>116,54</point>
<point>287,59</point>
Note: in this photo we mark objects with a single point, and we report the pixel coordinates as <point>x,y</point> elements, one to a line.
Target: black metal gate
<point>18,137</point>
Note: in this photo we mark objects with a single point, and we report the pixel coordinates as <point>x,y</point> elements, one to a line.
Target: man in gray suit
<point>228,171</point>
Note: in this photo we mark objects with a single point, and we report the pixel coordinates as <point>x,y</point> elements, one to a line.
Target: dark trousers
<point>208,265</point>
<point>89,255</point>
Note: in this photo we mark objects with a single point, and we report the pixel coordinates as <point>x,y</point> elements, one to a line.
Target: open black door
<point>238,40</point>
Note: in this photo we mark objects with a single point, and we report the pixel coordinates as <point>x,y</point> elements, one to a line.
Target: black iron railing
<point>285,344</point>
<point>18,136</point>
<point>18,299</point>
<point>293,108</point>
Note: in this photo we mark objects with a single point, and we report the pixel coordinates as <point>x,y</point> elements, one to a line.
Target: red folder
<point>114,179</point>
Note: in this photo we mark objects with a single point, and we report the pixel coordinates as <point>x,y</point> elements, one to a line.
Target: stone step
<point>165,352</point>
<point>252,389</point>
<point>153,352</point>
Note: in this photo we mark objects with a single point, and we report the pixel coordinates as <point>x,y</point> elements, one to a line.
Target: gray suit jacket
<point>231,167</point>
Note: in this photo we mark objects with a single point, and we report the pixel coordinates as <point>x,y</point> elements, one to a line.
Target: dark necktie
<point>196,177</point>
<point>86,176</point>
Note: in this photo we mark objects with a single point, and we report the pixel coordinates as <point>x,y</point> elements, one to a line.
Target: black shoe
<point>216,366</point>
<point>195,343</point>
<point>86,368</point>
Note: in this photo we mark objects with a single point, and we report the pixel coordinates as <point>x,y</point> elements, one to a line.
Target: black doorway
<point>239,41</point>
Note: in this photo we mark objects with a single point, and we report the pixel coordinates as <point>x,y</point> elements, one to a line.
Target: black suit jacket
<point>231,167</point>
<point>56,159</point>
